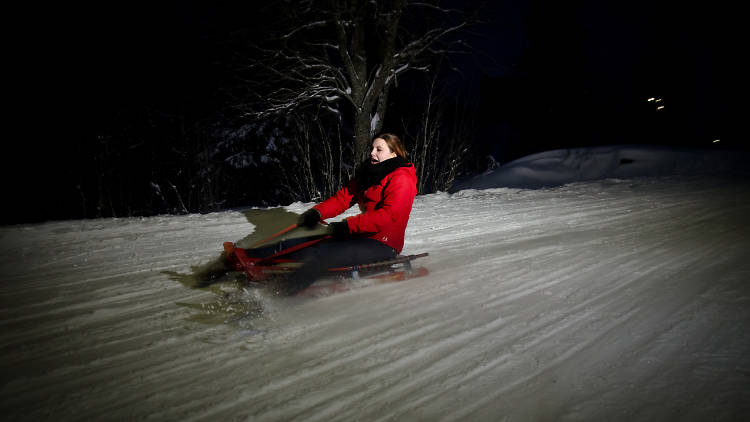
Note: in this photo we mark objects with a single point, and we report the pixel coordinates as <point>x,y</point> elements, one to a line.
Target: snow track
<point>611,300</point>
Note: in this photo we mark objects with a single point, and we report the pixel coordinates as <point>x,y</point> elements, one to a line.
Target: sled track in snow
<point>603,300</point>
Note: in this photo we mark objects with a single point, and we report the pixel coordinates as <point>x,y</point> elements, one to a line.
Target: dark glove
<point>339,229</point>
<point>309,218</point>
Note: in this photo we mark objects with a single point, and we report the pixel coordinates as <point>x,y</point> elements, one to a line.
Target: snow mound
<point>563,166</point>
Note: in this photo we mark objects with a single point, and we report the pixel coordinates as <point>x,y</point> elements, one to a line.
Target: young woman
<point>384,188</point>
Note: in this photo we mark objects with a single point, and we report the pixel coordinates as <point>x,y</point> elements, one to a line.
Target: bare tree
<point>343,56</point>
<point>428,135</point>
<point>444,133</point>
<point>308,154</point>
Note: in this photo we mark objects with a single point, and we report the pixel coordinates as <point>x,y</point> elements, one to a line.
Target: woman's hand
<point>339,229</point>
<point>309,218</point>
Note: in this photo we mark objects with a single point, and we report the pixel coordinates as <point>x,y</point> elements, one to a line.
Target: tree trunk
<point>361,137</point>
<point>371,96</point>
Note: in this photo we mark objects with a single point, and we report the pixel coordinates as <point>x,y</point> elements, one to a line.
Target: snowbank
<point>559,167</point>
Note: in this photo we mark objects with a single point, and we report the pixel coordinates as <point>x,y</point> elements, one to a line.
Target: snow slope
<point>604,300</point>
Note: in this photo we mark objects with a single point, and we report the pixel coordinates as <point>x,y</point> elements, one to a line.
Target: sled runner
<point>260,269</point>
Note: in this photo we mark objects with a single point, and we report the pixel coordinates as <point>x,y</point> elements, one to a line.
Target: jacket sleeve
<point>341,201</point>
<point>398,197</point>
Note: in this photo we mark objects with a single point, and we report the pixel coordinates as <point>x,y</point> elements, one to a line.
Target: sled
<point>260,269</point>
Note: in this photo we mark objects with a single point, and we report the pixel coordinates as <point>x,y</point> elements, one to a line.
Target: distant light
<point>660,108</point>
<point>652,99</point>
<point>717,140</point>
<point>658,100</point>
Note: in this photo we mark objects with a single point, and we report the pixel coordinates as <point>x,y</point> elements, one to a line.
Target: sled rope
<point>275,235</point>
<point>295,248</point>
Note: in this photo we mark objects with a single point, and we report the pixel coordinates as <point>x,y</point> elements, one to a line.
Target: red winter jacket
<point>385,206</point>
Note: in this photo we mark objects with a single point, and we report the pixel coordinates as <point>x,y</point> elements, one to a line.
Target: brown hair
<point>394,143</point>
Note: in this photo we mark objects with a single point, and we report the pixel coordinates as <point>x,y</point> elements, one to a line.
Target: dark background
<point>546,75</point>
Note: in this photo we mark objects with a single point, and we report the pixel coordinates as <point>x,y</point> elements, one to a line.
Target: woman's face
<point>380,151</point>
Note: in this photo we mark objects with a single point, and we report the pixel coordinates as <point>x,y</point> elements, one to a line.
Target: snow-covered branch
<point>343,57</point>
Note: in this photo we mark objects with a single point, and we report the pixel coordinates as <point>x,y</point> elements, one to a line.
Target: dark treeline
<point>149,127</point>
<point>148,161</point>
<point>150,124</point>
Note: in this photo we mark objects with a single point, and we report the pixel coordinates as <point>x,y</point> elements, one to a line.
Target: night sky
<point>571,75</point>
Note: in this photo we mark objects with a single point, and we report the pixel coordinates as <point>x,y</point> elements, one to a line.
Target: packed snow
<point>612,299</point>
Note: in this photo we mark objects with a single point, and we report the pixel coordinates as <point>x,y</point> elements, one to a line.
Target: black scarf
<point>371,174</point>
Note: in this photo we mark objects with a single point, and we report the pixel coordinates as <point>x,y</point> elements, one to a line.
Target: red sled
<point>259,269</point>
